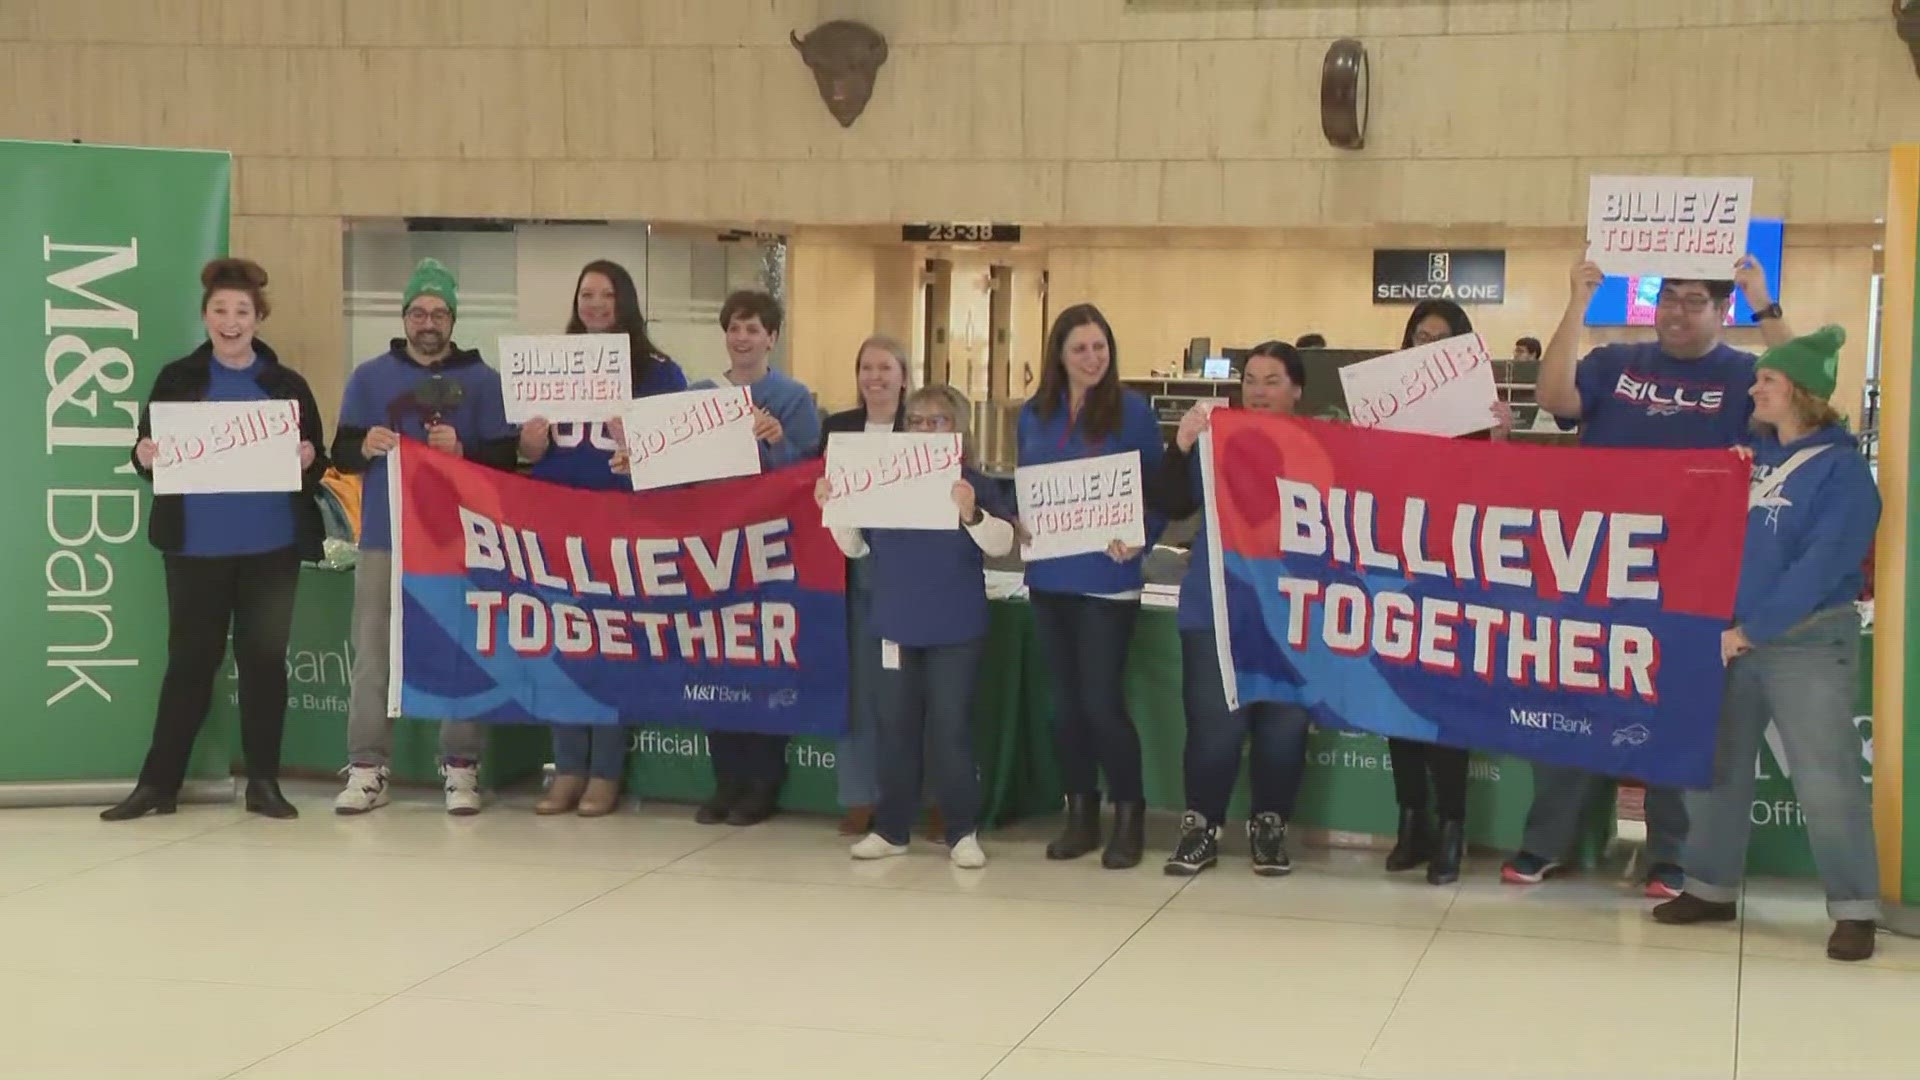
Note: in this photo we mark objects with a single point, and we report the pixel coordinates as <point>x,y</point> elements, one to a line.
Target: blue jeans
<point>1085,641</point>
<point>926,716</point>
<point>1214,734</point>
<point>1804,683</point>
<point>853,762</point>
<point>596,750</point>
<point>1561,795</point>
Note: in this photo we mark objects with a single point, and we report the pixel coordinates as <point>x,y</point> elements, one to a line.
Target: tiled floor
<point>410,944</point>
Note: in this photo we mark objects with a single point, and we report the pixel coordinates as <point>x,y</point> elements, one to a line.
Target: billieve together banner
<point>100,256</point>
<point>1557,605</point>
<point>720,606</point>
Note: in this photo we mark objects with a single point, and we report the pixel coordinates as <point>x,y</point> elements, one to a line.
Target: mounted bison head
<point>845,58</point>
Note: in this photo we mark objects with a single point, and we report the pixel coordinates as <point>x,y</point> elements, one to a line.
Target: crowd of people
<point>917,609</point>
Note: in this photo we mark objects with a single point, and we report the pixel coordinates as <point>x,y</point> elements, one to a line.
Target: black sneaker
<point>1267,837</point>
<point>1199,846</point>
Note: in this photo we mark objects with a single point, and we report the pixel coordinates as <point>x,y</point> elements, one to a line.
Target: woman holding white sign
<point>233,556</point>
<point>589,760</point>
<point>1085,605</point>
<point>880,369</point>
<point>930,612</point>
<point>1418,766</point>
<point>1272,379</point>
<point>1793,653</point>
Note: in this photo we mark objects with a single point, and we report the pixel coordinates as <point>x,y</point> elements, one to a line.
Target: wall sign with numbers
<point>950,232</point>
<point>1465,277</point>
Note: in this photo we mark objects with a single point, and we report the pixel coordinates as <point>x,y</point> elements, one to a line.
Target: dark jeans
<point>926,715</point>
<point>1414,763</point>
<point>1084,640</point>
<point>596,750</point>
<point>1214,735</point>
<point>746,755</point>
<point>251,595</point>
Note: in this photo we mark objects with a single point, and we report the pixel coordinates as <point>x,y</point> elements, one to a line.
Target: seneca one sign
<point>1405,276</point>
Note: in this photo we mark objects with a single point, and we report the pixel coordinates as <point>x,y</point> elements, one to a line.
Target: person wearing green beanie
<point>1793,652</point>
<point>432,278</point>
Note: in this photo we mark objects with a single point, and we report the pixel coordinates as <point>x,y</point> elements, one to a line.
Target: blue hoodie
<point>1806,546</point>
<point>1046,440</point>
<point>791,403</point>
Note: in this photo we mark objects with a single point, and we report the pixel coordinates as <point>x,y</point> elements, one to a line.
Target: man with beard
<point>1686,390</point>
<point>428,389</point>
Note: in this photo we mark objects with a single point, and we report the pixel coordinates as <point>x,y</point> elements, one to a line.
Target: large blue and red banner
<point>720,606</point>
<point>1560,605</point>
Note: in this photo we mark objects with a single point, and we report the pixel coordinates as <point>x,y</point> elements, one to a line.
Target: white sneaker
<point>966,853</point>
<point>366,789</point>
<point>463,789</point>
<point>875,846</point>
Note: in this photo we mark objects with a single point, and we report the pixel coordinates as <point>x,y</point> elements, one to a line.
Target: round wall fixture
<point>1344,91</point>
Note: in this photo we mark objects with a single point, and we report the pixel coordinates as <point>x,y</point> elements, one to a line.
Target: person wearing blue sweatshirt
<point>750,767</point>
<point>589,760</point>
<point>1685,390</point>
<point>1085,605</point>
<point>930,613</point>
<point>425,388</point>
<point>232,559</point>
<point>1793,652</point>
<point>1272,379</point>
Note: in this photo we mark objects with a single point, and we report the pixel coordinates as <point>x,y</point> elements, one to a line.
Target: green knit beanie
<point>1811,361</point>
<point>432,278</point>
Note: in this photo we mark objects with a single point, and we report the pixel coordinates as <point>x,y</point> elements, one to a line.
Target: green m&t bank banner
<point>100,257</point>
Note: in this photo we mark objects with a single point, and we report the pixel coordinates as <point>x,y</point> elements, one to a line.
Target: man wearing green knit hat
<point>428,389</point>
<point>1793,651</point>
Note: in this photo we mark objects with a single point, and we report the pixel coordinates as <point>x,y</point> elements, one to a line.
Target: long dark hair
<point>628,319</point>
<point>1100,415</point>
<point>1454,314</point>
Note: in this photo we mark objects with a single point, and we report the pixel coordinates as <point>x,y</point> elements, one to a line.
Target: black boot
<point>726,792</point>
<point>759,800</point>
<point>1447,851</point>
<point>264,798</point>
<point>1082,831</point>
<point>1414,843</point>
<point>1129,837</point>
<point>144,800</point>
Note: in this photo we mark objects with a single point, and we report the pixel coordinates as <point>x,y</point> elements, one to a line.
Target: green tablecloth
<point>1349,788</point>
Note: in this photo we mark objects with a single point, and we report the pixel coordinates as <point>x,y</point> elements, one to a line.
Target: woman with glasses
<point>589,760</point>
<point>930,613</point>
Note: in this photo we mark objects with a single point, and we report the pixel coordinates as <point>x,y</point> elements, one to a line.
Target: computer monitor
<point>1217,367</point>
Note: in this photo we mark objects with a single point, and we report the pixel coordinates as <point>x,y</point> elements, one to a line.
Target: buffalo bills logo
<point>1632,735</point>
<point>1662,396</point>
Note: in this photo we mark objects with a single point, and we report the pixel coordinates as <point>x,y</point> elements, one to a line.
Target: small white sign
<point>892,480</point>
<point>1445,388</point>
<point>690,436</point>
<point>577,377</point>
<point>223,447</point>
<point>1668,226</point>
<point>1077,507</point>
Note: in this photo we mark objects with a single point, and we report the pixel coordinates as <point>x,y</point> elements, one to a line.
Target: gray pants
<point>1805,684</point>
<point>1560,796</point>
<point>369,728</point>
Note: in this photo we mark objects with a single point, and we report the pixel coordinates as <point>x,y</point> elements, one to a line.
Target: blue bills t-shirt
<point>1635,396</point>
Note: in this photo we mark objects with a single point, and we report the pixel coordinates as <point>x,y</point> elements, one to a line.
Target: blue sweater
<point>791,403</point>
<point>929,587</point>
<point>1806,545</point>
<point>239,523</point>
<point>380,393</point>
<point>1046,440</point>
<point>580,454</point>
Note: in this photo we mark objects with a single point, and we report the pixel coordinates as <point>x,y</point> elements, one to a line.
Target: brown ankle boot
<point>563,794</point>
<point>1852,940</point>
<point>1686,909</point>
<point>601,798</point>
<point>858,822</point>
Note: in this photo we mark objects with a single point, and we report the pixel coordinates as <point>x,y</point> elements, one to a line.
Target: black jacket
<point>856,420</point>
<point>187,379</point>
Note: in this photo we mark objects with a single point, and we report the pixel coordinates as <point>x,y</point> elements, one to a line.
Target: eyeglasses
<point>1692,305</point>
<point>420,317</point>
<point>929,422</point>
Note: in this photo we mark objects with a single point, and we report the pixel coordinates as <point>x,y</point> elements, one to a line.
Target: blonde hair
<point>957,407</point>
<point>892,347</point>
<point>1813,412</point>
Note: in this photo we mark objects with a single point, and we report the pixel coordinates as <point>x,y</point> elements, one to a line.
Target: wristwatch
<point>1771,311</point>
